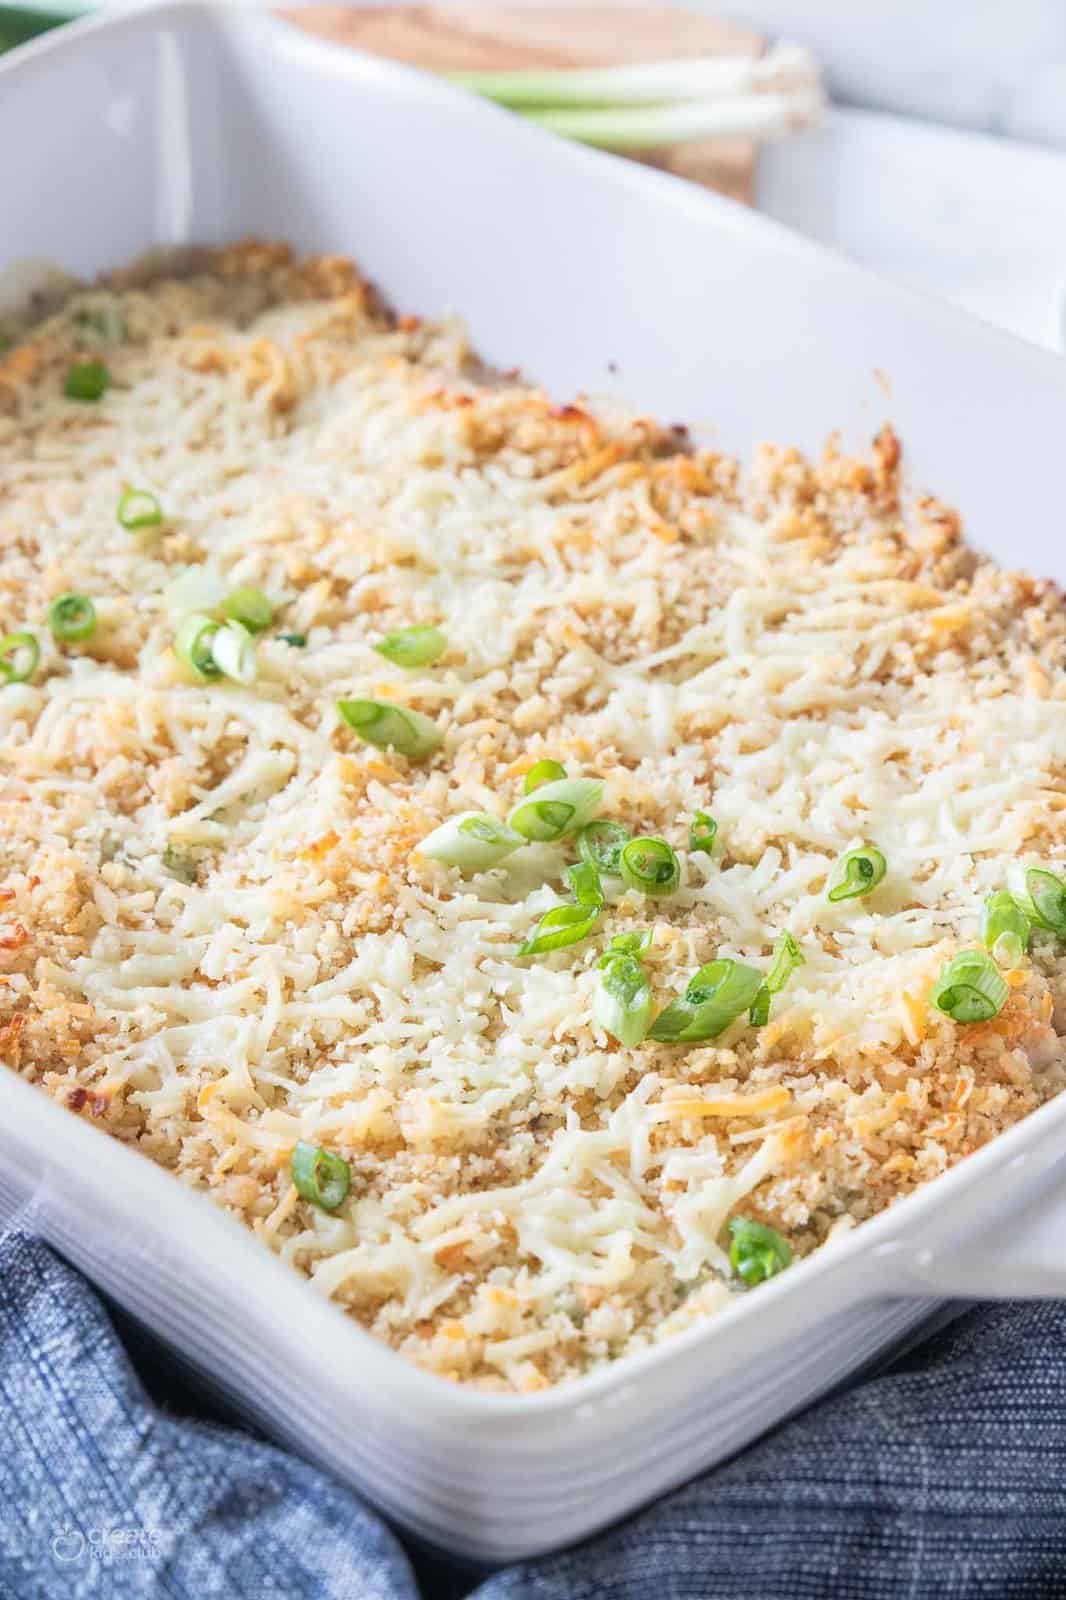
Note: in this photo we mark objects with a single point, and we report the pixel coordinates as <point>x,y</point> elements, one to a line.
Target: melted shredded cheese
<point>785,647</point>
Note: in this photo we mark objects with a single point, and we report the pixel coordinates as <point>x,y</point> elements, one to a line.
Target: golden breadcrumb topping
<point>218,936</point>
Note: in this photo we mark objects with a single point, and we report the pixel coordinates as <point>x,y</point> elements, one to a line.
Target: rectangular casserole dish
<point>191,124</point>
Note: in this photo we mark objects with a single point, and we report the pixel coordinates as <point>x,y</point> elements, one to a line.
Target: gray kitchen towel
<point>942,1477</point>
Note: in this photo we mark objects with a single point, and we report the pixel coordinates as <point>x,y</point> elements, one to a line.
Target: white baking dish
<point>192,123</point>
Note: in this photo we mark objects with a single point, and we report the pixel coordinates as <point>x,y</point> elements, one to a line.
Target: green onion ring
<point>418,646</point>
<point>12,646</point>
<point>72,617</point>
<point>650,865</point>
<point>560,927</point>
<point>970,988</point>
<point>703,830</point>
<point>320,1176</point>
<point>138,508</point>
<point>86,380</point>
<point>601,843</point>
<point>756,1252</point>
<point>856,874</point>
<point>389,726</point>
<point>250,607</point>
<point>543,772</point>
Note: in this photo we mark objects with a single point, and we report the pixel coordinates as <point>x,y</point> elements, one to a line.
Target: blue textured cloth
<point>943,1477</point>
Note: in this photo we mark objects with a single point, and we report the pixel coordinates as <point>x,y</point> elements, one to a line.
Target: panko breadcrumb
<point>217,934</point>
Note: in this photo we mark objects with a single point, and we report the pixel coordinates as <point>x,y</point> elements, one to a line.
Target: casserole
<point>534,1472</point>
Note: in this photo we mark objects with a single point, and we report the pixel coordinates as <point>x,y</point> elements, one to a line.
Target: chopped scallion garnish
<point>138,508</point>
<point>297,640</point>
<point>649,865</point>
<point>786,958</point>
<point>562,926</point>
<point>556,808</point>
<point>622,999</point>
<point>633,943</point>
<point>72,617</point>
<point>585,884</point>
<point>86,380</point>
<point>756,1252</point>
<point>703,830</point>
<point>193,644</point>
<point>1005,928</point>
<point>391,727</point>
<point>970,988</point>
<point>418,646</point>
<point>250,607</point>
<point>715,997</point>
<point>1041,895</point>
<point>759,1010</point>
<point>233,652</point>
<point>543,772</point>
<point>19,656</point>
<point>320,1176</point>
<point>856,873</point>
<point>601,843</point>
<point>473,842</point>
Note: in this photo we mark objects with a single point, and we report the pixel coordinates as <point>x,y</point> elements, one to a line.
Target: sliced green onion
<point>562,926</point>
<point>585,884</point>
<point>1005,928</point>
<point>1041,895</point>
<point>180,864</point>
<point>250,607</point>
<point>651,83</point>
<point>970,988</point>
<point>715,997</point>
<point>646,127</point>
<point>139,509</point>
<point>759,1010</point>
<point>391,727</point>
<point>557,808</point>
<point>786,958</point>
<point>19,656</point>
<point>622,1000</point>
<point>649,865</point>
<point>86,380</point>
<point>193,643</point>
<point>72,617</point>
<point>320,1176</point>
<point>233,652</point>
<point>633,943</point>
<point>473,842</point>
<point>703,830</point>
<point>601,843</point>
<point>297,640</point>
<point>856,874</point>
<point>756,1252</point>
<point>543,772</point>
<point>419,646</point>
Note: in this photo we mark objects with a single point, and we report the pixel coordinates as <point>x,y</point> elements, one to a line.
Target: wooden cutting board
<point>491,37</point>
